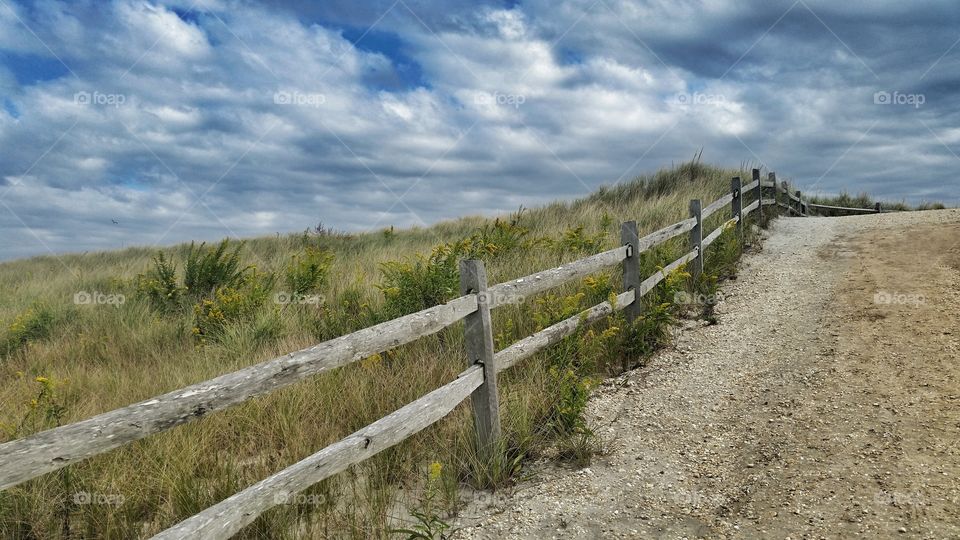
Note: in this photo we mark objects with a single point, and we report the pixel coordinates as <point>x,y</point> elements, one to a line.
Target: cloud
<point>186,120</point>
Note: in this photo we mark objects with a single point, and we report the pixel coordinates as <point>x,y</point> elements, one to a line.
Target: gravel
<point>740,429</point>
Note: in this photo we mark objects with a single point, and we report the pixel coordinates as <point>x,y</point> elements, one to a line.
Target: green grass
<point>203,312</point>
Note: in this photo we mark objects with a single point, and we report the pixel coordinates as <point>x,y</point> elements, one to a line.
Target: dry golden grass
<point>101,357</point>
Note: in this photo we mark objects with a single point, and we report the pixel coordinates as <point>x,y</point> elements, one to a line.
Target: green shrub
<point>575,241</point>
<point>349,312</point>
<point>500,238</point>
<point>206,270</point>
<point>597,288</point>
<point>231,304</point>
<point>722,255</point>
<point>45,410</point>
<point>159,285</point>
<point>308,271</point>
<point>573,393</point>
<point>33,324</point>
<point>426,282</point>
<point>550,309</point>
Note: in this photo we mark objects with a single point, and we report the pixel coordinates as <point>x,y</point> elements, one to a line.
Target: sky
<point>133,122</point>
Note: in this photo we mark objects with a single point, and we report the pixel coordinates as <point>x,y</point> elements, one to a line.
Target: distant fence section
<point>47,451</point>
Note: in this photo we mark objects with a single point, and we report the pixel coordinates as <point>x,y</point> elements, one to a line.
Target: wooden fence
<point>30,457</point>
<point>794,204</point>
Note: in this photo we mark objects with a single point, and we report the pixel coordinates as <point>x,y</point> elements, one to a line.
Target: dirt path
<point>826,403</point>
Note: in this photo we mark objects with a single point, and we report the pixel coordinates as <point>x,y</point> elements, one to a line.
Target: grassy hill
<point>84,334</point>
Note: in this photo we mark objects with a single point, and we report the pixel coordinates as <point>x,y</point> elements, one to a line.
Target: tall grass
<point>61,361</point>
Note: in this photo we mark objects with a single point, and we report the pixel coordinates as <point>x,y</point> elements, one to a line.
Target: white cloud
<point>511,106</point>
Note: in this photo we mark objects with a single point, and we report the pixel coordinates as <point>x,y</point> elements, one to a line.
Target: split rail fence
<point>47,451</point>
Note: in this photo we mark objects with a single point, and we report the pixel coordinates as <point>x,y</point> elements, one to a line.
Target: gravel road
<point>826,403</point>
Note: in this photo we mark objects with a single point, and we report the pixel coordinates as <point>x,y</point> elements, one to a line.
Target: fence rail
<point>875,210</point>
<point>47,451</point>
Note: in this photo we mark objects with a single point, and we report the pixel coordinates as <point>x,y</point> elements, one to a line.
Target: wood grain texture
<point>696,239</point>
<point>751,186</point>
<point>478,341</point>
<point>736,207</point>
<point>660,236</point>
<point>47,451</point>
<point>717,205</point>
<point>514,292</point>
<point>227,517</point>
<point>631,266</point>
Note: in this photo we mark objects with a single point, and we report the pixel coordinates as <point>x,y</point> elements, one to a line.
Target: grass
<point>864,200</point>
<point>197,312</point>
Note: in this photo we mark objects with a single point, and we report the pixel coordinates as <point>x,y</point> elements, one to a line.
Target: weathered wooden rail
<point>44,452</point>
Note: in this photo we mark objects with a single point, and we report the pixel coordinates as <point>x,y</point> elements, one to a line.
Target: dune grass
<point>85,334</point>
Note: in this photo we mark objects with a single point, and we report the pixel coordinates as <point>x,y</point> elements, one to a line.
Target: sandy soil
<point>826,404</point>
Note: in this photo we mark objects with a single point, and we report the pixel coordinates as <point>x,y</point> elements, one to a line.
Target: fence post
<point>696,239</point>
<point>631,266</point>
<point>878,208</point>
<point>478,339</point>
<point>756,178</point>
<point>772,177</point>
<point>800,204</point>
<point>736,207</point>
